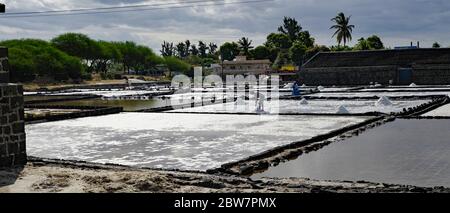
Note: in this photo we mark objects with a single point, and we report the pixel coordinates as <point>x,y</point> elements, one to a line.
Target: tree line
<point>289,45</point>
<point>74,56</point>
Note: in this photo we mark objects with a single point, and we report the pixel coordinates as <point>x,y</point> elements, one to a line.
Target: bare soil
<point>74,177</point>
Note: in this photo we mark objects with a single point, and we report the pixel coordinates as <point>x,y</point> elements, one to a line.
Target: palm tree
<point>245,45</point>
<point>212,48</point>
<point>202,48</point>
<point>343,28</point>
<point>194,50</point>
<point>187,44</point>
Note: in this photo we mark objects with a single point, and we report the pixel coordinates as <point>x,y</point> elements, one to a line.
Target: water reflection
<point>415,152</point>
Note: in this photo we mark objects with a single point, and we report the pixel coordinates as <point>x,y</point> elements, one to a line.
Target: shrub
<point>176,65</point>
<point>31,58</point>
<point>118,76</point>
<point>21,65</point>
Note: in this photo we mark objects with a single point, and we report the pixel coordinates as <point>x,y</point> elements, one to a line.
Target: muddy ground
<point>65,176</point>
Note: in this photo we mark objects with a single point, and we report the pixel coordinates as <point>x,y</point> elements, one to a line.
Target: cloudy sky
<point>397,22</point>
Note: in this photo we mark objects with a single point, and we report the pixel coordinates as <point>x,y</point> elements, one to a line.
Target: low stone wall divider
<point>68,98</point>
<point>39,161</point>
<point>375,97</point>
<point>356,88</point>
<point>34,106</point>
<point>102,86</point>
<point>428,108</point>
<point>289,114</point>
<point>425,117</point>
<point>387,90</point>
<point>97,111</point>
<point>424,108</point>
<point>188,105</point>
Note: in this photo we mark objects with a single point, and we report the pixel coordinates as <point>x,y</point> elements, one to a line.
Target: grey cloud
<point>397,21</point>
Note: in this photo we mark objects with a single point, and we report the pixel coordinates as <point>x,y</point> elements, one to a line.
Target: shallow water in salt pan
<point>312,106</point>
<point>413,152</point>
<point>109,93</point>
<point>127,105</point>
<point>175,141</point>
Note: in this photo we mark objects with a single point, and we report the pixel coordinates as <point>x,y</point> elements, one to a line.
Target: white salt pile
<point>320,88</point>
<point>288,86</point>
<point>383,101</point>
<point>342,110</point>
<point>303,102</point>
<point>413,85</point>
<point>303,85</point>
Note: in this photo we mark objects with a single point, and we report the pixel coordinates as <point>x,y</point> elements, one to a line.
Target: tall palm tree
<point>187,44</point>
<point>343,28</point>
<point>212,48</point>
<point>245,45</point>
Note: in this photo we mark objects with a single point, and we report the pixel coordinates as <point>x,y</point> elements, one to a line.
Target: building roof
<point>397,57</point>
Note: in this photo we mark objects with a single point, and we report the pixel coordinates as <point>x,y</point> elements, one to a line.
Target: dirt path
<point>63,176</point>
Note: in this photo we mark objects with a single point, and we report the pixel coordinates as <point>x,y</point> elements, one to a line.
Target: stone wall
<point>12,126</point>
<point>327,76</point>
<point>421,66</point>
<point>431,73</point>
<point>425,74</point>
